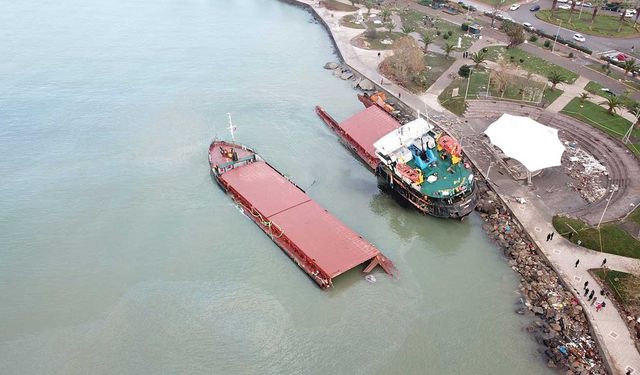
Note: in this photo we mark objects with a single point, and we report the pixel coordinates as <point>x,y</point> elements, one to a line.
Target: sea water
<point>120,255</point>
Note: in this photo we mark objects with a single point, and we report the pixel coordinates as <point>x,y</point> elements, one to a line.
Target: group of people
<point>592,298</point>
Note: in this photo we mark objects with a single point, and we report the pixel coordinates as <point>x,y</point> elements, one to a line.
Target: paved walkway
<point>611,331</point>
<point>570,92</point>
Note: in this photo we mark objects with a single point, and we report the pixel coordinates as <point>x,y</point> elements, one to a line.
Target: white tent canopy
<point>534,145</point>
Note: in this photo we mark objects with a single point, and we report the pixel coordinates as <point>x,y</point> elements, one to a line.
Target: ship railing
<point>236,163</point>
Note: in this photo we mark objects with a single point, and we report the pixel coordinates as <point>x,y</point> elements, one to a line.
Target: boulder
<point>331,65</point>
<point>365,84</point>
<point>346,75</point>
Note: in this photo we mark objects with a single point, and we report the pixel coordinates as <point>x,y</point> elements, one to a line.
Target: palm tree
<point>629,65</point>
<point>596,6</point>
<point>368,4</point>
<point>613,102</point>
<point>584,96</point>
<point>624,7</point>
<point>448,48</point>
<point>390,26</point>
<point>385,13</point>
<point>573,6</point>
<point>407,29</point>
<point>478,58</point>
<point>426,39</point>
<point>555,77</point>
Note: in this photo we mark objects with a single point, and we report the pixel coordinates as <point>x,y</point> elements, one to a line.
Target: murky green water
<point>118,254</point>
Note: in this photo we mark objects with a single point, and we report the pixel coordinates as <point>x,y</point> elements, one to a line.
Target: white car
<point>629,13</point>
<point>514,7</point>
<point>564,6</point>
<point>579,37</point>
<point>528,26</point>
<point>563,1</point>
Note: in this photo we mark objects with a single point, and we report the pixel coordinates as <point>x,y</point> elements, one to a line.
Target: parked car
<point>587,5</point>
<point>514,7</point>
<point>612,7</point>
<point>579,37</point>
<point>607,91</point>
<point>535,8</point>
<point>564,6</point>
<point>629,13</point>
<point>563,1</point>
<point>528,26</point>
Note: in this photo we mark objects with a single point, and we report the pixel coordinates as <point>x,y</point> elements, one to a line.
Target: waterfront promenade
<point>611,331</point>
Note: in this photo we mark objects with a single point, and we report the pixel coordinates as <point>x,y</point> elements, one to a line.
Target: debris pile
<point>588,175</point>
<point>559,324</point>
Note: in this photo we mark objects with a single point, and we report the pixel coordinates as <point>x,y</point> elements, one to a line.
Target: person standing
<point>603,304</point>
<point>591,294</point>
<point>593,301</point>
<point>548,237</point>
<point>577,261</point>
<point>604,261</point>
<point>552,233</point>
<point>598,307</point>
<point>586,291</point>
<point>585,285</point>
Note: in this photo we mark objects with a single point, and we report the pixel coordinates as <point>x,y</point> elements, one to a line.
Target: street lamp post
<point>627,135</point>
<point>467,90</point>
<point>556,39</point>
<point>614,188</point>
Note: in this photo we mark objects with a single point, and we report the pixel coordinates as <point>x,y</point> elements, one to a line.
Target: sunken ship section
<point>317,241</point>
<point>416,164</point>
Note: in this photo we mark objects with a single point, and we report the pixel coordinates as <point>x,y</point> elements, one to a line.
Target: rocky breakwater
<point>559,322</point>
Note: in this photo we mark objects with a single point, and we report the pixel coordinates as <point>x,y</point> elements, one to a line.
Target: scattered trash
<point>370,278</point>
<point>586,172</point>
<point>521,200</point>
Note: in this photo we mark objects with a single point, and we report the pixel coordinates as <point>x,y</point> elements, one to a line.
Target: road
<point>595,43</point>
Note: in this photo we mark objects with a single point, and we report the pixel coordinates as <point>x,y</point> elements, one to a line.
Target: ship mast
<point>231,128</point>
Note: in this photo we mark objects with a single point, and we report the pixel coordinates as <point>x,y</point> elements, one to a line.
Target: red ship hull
<point>317,241</point>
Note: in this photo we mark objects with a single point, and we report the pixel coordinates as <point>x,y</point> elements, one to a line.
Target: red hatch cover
<point>368,126</point>
<point>334,247</point>
<point>265,188</point>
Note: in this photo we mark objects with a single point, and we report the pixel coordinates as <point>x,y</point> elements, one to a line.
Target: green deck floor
<point>446,180</point>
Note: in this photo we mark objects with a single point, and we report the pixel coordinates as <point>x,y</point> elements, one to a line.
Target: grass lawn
<point>362,41</point>
<point>597,116</point>
<point>604,25</point>
<point>614,239</point>
<point>624,286</point>
<point>529,62</point>
<point>436,64</point>
<point>338,6</point>
<point>596,89</point>
<point>635,216</point>
<point>615,74</point>
<point>478,85</point>
<point>349,21</point>
<point>414,19</point>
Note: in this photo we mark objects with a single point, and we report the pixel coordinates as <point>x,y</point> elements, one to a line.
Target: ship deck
<point>317,240</point>
<point>447,178</point>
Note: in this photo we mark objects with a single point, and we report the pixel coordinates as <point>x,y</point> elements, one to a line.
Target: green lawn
<point>414,19</point>
<point>528,62</point>
<point>349,21</point>
<point>604,25</point>
<point>597,116</point>
<point>624,286</point>
<point>596,89</point>
<point>615,74</point>
<point>614,239</point>
<point>478,85</point>
<point>635,215</point>
<point>338,6</point>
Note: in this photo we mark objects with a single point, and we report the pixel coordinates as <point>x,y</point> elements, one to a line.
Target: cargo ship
<point>419,166</point>
<point>317,241</point>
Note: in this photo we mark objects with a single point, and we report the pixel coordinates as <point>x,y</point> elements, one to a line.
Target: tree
<point>478,58</point>
<point>406,29</point>
<point>448,48</point>
<point>353,2</point>
<point>635,21</point>
<point>573,6</point>
<point>629,65</point>
<point>516,35</point>
<point>385,13</point>
<point>426,39</point>
<point>390,26</point>
<point>596,6</point>
<point>584,96</point>
<point>554,6</point>
<point>407,61</point>
<point>501,77</point>
<point>496,10</point>
<point>555,77</point>
<point>613,102</point>
<point>368,4</point>
<point>624,6</point>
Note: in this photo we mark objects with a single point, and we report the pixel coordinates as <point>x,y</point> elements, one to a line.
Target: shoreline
<point>523,254</point>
